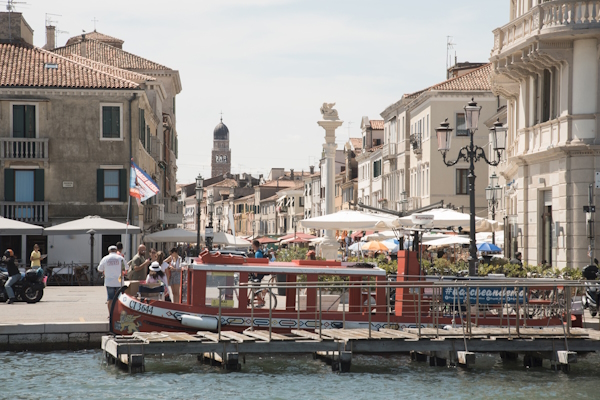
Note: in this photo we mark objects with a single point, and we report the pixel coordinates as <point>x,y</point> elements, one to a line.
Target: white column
<point>330,245</point>
<point>585,87</point>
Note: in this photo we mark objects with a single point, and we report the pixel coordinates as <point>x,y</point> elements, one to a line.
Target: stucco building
<point>545,63</point>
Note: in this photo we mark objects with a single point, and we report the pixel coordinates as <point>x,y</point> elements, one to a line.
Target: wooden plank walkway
<point>343,341</point>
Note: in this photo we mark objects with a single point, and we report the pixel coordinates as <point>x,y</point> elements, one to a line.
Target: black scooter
<point>30,288</point>
<point>592,292</point>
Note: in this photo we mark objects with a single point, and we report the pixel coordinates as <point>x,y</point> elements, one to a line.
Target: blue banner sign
<point>487,295</point>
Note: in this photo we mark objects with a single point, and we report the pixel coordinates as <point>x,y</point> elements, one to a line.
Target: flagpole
<point>129,242</point>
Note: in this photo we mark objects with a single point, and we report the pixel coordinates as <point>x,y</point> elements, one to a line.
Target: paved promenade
<point>59,304</point>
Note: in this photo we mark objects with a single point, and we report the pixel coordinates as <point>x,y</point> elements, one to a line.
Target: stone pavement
<point>59,304</point>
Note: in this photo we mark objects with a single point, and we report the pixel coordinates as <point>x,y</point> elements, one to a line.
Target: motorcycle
<point>592,292</point>
<point>30,288</point>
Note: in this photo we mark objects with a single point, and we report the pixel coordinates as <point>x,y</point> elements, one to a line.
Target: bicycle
<point>262,297</point>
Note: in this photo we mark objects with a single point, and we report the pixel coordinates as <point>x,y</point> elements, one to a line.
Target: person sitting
<point>311,255</point>
<point>14,275</point>
<point>156,275</point>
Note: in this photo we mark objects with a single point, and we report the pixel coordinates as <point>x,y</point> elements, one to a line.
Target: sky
<point>269,65</point>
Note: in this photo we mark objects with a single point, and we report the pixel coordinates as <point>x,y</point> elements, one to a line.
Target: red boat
<point>289,295</point>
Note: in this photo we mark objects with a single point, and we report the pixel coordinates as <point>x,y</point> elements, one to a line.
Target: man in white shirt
<point>112,265</point>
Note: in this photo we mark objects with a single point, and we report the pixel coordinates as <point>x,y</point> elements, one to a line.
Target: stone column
<point>330,123</point>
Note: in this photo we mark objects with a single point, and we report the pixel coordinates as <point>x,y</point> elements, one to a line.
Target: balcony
<point>18,149</point>
<point>154,214</point>
<point>389,151</point>
<point>34,212</point>
<point>548,17</point>
<point>173,218</point>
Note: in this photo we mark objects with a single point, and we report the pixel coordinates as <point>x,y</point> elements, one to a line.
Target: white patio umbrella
<point>229,240</point>
<point>99,225</point>
<point>449,241</point>
<point>172,235</point>
<point>349,220</point>
<point>13,227</point>
<point>379,236</point>
<point>445,217</point>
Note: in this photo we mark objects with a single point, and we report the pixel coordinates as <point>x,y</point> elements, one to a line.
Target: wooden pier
<point>444,346</point>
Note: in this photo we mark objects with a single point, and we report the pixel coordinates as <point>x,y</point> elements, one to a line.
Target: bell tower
<point>220,163</point>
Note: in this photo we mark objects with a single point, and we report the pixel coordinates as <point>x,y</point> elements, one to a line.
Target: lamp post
<point>199,195</point>
<point>219,214</point>
<point>471,154</point>
<point>493,194</point>
<point>209,230</point>
<point>91,232</point>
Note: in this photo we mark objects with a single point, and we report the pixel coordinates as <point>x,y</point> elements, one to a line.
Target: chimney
<point>50,37</point>
<point>14,29</point>
<point>312,169</point>
<point>291,174</point>
<point>83,52</point>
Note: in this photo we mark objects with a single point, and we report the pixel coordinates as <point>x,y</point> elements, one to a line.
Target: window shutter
<point>123,185</point>
<point>38,179</point>
<point>9,184</point>
<point>105,121</point>
<point>116,122</point>
<point>18,121</point>
<point>30,122</point>
<point>100,185</point>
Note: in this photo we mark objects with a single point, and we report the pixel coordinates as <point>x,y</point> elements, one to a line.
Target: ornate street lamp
<point>199,195</point>
<point>493,193</point>
<point>471,154</point>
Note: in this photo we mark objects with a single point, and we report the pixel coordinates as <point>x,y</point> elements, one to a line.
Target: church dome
<point>221,132</point>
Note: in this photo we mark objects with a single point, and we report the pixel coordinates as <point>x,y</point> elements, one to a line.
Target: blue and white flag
<point>141,186</point>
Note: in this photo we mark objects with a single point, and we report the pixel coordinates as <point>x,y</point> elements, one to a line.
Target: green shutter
<point>105,121</point>
<point>116,122</point>
<point>18,121</point>
<point>100,185</point>
<point>30,122</point>
<point>9,184</point>
<point>123,185</point>
<point>38,190</point>
<point>142,127</point>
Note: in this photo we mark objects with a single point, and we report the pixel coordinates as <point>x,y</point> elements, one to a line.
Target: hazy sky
<point>270,64</point>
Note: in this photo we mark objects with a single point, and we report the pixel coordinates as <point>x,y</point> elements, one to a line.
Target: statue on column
<point>328,112</point>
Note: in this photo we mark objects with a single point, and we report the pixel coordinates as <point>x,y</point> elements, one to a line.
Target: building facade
<point>545,63</point>
<point>220,161</point>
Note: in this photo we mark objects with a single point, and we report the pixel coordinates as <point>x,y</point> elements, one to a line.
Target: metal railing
<point>24,149</point>
<point>389,150</point>
<point>509,303</point>
<point>35,212</point>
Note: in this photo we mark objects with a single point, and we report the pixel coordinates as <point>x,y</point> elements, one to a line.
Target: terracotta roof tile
<point>356,143</point>
<point>123,73</point>
<point>34,67</point>
<point>96,36</point>
<point>107,54</point>
<point>478,79</point>
<point>376,124</point>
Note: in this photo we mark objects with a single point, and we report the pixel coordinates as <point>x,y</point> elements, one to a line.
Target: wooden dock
<point>337,345</point>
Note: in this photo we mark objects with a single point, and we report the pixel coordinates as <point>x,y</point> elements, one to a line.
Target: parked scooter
<point>592,292</point>
<point>30,288</point>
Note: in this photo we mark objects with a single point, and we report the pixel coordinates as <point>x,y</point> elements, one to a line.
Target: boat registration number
<point>144,308</point>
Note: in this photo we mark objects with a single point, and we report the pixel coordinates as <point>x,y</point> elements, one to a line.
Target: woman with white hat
<point>156,275</point>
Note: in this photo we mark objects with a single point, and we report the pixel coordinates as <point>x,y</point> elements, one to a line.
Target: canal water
<point>82,375</point>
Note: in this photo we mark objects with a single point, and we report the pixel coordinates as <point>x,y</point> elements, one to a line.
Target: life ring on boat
<point>206,322</point>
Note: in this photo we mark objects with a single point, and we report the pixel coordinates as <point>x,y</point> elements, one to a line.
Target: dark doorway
<point>109,240</point>
<point>41,241</point>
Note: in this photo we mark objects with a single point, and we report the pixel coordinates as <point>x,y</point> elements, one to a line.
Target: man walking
<point>112,265</point>
<point>139,265</point>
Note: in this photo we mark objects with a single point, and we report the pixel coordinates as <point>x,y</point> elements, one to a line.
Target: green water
<point>82,375</point>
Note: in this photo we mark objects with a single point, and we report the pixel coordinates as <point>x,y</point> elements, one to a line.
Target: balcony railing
<point>33,212</point>
<point>154,213</point>
<point>24,149</point>
<point>550,16</point>
<point>389,150</point>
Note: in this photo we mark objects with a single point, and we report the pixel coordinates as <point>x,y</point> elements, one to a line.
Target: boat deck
<point>338,345</point>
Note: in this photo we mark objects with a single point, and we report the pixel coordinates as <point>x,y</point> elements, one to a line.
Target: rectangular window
<point>23,121</point>
<point>148,139</point>
<point>24,186</point>
<point>111,185</point>
<point>142,128</point>
<point>462,182</point>
<point>111,122</point>
<point>427,126</point>
<point>377,168</point>
<point>461,125</point>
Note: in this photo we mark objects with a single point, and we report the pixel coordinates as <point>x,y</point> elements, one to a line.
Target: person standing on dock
<point>139,265</point>
<point>35,257</point>
<point>112,265</point>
